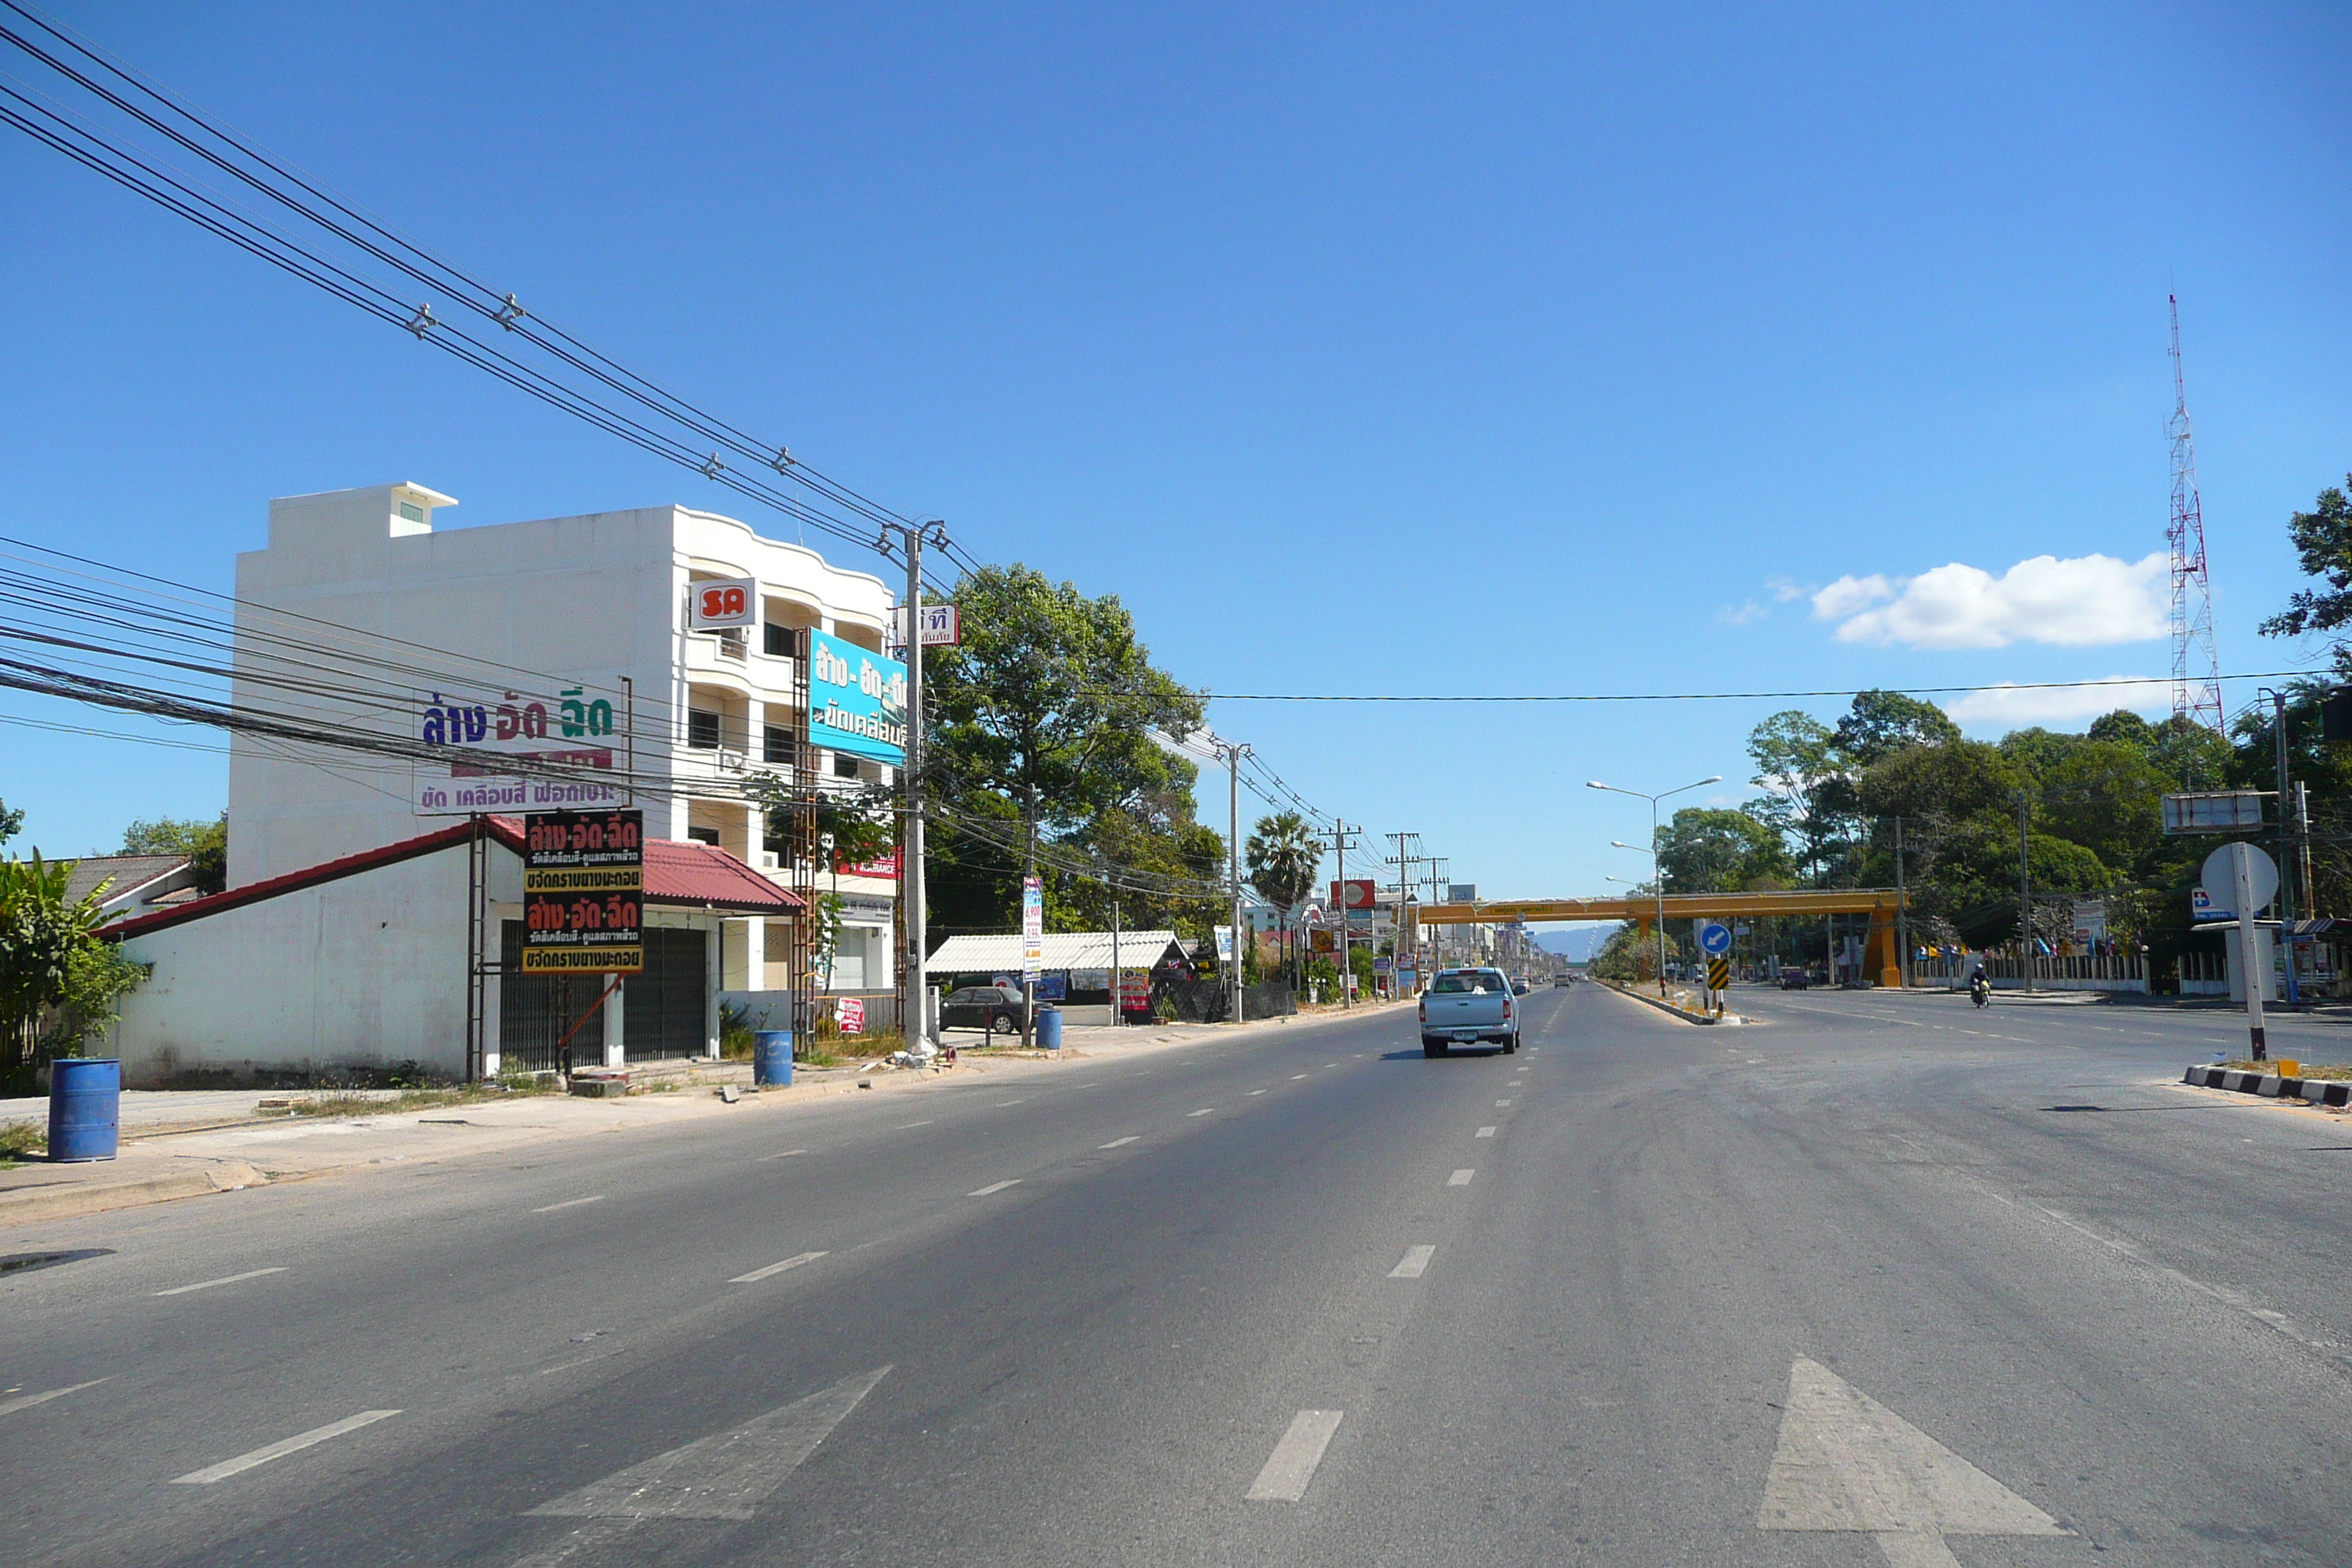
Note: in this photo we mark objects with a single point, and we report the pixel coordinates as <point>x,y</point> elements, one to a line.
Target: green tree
<point>55,970</point>
<point>203,842</point>
<point>2323,547</point>
<point>1284,858</point>
<point>1798,767</point>
<point>1706,850</point>
<point>10,822</point>
<point>1043,718</point>
<point>1884,722</point>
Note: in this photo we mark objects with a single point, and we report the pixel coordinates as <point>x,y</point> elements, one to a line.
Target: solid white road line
<point>1292,1464</point>
<point>1297,1076</point>
<point>231,1280</point>
<point>1118,1141</point>
<point>293,1445</point>
<point>1416,1258</point>
<point>794,1261</point>
<point>1202,1111</point>
<point>27,1401</point>
<point>724,1476</point>
<point>786,1155</point>
<point>1459,1179</point>
<point>569,1204</point>
<point>1486,1133</point>
<point>994,1187</point>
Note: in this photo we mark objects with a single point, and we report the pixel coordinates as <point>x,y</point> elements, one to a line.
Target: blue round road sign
<point>1715,939</point>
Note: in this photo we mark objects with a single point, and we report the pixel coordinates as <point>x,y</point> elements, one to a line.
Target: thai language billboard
<point>520,752</point>
<point>858,701</point>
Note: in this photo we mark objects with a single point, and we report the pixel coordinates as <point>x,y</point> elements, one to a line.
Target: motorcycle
<point>1980,993</point>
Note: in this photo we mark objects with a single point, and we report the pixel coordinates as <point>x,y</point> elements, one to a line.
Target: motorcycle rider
<point>1979,989</point>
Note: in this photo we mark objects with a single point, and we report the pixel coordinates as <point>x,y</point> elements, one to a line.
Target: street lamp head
<point>1594,784</point>
<point>1712,778</point>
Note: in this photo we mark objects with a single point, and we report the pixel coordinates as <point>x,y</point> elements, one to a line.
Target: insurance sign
<point>858,701</point>
<point>584,880</point>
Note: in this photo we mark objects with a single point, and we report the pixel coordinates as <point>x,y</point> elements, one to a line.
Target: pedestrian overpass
<point>1881,904</point>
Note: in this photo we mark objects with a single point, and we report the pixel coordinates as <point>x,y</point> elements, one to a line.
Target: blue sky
<point>1360,350</point>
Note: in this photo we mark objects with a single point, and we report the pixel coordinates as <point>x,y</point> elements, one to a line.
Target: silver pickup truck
<point>1464,1006</point>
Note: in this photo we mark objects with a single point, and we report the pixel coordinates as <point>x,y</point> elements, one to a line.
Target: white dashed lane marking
<point>569,1204</point>
<point>1202,1111</point>
<point>278,1450</point>
<point>1292,1464</point>
<point>1486,1133</point>
<point>1117,1142</point>
<point>27,1401</point>
<point>794,1261</point>
<point>994,1187</point>
<point>1459,1179</point>
<point>1416,1260</point>
<point>226,1279</point>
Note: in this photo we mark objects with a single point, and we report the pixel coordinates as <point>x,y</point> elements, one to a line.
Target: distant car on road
<point>995,1008</point>
<point>1464,1006</point>
<point>1794,980</point>
<point>1520,986</point>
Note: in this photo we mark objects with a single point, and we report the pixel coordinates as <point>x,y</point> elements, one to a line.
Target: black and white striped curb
<point>2271,1086</point>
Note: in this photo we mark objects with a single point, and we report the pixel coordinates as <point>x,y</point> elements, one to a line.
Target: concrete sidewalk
<point>189,1143</point>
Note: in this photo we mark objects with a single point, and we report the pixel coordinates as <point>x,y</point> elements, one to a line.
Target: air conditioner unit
<point>731,761</point>
<point>769,860</point>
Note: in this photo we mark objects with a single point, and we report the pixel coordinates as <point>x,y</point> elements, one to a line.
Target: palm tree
<point>1284,854</point>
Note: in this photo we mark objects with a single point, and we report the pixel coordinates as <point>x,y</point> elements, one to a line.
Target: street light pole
<point>1660,881</point>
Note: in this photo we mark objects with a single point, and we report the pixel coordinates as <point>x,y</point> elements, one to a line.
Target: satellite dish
<point>2221,876</point>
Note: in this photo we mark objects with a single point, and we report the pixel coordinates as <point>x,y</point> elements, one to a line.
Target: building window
<point>777,746</point>
<point>845,766</point>
<point>704,835</point>
<point>772,838</point>
<point>701,730</point>
<point>780,640</point>
<point>410,512</point>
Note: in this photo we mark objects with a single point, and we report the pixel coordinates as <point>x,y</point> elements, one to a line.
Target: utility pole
<point>2024,900</point>
<point>2286,857</point>
<point>1234,751</point>
<point>1029,874</point>
<point>1902,916</point>
<point>1407,856</point>
<point>915,1001</point>
<point>1340,833</point>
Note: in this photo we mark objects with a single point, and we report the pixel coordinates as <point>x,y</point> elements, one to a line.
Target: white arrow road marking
<point>1292,1464</point>
<point>1846,1462</point>
<point>226,1279</point>
<point>725,1475</point>
<point>27,1401</point>
<point>278,1450</point>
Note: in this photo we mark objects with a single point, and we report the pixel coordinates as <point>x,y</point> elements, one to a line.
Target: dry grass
<point>18,1138</point>
<point>358,1102</point>
<point>2321,1072</point>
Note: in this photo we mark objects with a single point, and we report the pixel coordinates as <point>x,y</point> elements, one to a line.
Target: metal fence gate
<point>661,1012</point>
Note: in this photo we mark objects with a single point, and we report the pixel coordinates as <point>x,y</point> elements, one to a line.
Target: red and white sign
<point>1134,992</point>
<point>722,601</point>
<point>850,1012</point>
<point>1352,894</point>
<point>883,866</point>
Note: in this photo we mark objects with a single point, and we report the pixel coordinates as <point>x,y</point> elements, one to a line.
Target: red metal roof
<point>697,876</point>
<point>705,877</point>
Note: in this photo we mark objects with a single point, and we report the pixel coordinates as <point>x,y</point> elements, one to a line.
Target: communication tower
<point>2196,669</point>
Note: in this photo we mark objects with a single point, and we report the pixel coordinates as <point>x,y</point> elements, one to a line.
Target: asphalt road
<point>1881,1263</point>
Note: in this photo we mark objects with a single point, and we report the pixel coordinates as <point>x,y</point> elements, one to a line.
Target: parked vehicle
<point>1465,1006</point>
<point>995,1008</point>
<point>1794,980</point>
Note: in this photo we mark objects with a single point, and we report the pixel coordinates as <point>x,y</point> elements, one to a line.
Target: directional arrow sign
<point>1847,1462</point>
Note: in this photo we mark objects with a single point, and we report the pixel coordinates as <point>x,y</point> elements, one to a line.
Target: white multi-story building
<point>573,636</point>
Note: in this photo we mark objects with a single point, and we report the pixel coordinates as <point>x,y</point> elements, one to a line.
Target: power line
<point>1214,696</point>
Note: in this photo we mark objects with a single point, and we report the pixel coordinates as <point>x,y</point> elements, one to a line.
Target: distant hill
<point>1578,945</point>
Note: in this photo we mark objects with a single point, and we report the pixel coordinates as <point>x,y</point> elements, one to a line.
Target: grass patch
<point>20,1139</point>
<point>356,1103</point>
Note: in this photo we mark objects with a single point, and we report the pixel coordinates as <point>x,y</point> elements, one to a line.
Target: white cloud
<point>1745,614</point>
<point>1783,589</point>
<point>2008,707</point>
<point>2087,601</point>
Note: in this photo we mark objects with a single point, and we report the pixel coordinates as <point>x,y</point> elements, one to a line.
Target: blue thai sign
<point>858,701</point>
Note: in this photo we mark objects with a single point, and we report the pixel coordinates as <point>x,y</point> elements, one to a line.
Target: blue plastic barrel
<point>1049,1028</point>
<point>772,1057</point>
<point>85,1106</point>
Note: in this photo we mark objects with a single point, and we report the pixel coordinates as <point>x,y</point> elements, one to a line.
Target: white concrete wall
<point>368,971</point>
<point>580,600</point>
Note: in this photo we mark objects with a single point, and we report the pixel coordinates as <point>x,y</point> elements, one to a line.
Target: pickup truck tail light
<point>1424,1009</point>
<point>1507,1007</point>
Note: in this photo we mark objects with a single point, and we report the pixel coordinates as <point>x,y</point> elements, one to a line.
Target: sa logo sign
<point>725,602</point>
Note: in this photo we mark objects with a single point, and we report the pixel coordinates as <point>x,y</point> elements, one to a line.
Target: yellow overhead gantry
<point>1880,904</point>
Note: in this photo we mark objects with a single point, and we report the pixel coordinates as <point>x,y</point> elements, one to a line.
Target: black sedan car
<point>1794,980</point>
<point>995,1008</point>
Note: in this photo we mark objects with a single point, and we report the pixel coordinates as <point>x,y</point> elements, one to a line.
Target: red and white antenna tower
<point>2198,696</point>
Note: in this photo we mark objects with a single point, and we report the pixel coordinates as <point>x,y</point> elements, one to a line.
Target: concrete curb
<point>2270,1086</point>
<point>1662,1004</point>
<point>30,1205</point>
